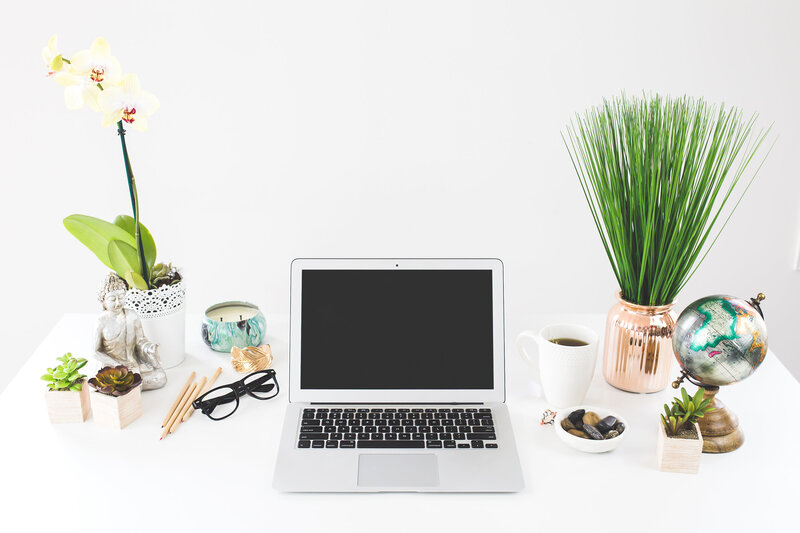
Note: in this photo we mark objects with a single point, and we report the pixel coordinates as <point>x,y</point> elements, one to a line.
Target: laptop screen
<point>396,329</point>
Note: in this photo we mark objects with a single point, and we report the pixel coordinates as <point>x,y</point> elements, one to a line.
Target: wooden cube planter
<point>679,455</point>
<point>117,411</point>
<point>66,406</point>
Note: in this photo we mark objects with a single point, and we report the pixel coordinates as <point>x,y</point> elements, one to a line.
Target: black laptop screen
<point>396,329</point>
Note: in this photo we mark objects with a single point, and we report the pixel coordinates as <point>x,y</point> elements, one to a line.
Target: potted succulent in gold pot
<point>117,400</point>
<point>662,176</point>
<point>67,397</point>
<point>680,443</point>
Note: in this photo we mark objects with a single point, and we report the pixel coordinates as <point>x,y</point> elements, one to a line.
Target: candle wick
<point>240,317</point>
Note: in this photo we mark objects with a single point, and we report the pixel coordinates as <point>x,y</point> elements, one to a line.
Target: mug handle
<point>533,360</point>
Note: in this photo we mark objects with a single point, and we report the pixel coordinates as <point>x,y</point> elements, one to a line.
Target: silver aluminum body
<point>360,469</point>
<point>337,470</point>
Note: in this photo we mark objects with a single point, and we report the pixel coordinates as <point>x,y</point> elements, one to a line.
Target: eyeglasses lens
<point>262,386</point>
<point>222,400</point>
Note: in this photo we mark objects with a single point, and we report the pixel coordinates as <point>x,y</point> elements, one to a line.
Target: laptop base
<point>393,469</point>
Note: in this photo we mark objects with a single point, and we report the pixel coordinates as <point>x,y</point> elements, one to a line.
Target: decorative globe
<point>719,340</point>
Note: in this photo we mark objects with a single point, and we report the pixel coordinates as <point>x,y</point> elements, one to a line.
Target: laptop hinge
<point>396,403</point>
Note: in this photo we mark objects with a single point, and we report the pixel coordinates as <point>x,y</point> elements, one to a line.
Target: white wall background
<point>373,128</point>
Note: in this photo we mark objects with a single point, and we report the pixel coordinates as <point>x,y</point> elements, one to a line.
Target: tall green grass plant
<point>662,177</point>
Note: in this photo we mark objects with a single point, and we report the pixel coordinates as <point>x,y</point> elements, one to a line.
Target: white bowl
<point>589,445</point>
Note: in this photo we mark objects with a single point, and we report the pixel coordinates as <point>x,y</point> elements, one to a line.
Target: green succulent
<point>115,380</point>
<point>65,376</point>
<point>162,274</point>
<point>685,410</point>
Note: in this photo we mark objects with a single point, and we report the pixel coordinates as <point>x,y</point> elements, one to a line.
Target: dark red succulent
<point>115,380</point>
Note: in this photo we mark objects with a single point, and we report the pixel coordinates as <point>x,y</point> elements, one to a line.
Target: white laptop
<point>397,378</point>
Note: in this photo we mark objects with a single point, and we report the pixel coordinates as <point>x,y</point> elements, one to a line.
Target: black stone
<point>576,417</point>
<point>592,432</point>
<point>606,424</point>
<point>619,426</point>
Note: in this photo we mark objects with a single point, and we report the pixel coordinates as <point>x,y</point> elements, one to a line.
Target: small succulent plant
<point>65,377</point>
<point>164,275</point>
<point>115,380</point>
<point>685,410</point>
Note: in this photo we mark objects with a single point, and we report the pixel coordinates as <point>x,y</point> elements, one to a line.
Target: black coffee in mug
<point>566,341</point>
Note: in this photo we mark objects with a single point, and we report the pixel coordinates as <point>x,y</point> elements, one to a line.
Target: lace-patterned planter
<point>163,317</point>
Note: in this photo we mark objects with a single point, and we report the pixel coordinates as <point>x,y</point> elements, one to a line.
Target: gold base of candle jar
<point>638,354</point>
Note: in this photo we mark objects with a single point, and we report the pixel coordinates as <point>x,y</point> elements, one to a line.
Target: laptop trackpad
<point>418,470</point>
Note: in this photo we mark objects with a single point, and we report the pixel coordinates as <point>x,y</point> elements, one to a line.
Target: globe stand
<point>720,427</point>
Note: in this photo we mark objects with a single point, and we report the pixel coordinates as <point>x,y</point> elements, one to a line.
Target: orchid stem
<point>134,204</point>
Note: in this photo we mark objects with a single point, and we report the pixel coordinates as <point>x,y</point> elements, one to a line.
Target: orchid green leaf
<point>148,243</point>
<point>96,235</point>
<point>135,280</point>
<point>123,257</point>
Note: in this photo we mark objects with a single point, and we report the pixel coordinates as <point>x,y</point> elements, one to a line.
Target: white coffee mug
<point>565,372</point>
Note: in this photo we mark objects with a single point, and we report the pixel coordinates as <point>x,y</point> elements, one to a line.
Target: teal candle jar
<point>233,324</point>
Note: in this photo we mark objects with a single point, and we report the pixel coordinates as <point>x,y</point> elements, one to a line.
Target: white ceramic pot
<point>163,315</point>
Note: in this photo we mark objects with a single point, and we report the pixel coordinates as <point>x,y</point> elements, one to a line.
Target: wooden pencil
<point>207,388</point>
<point>178,399</point>
<point>188,405</point>
<point>178,410</point>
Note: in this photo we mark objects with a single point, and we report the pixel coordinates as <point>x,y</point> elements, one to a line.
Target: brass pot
<point>637,353</point>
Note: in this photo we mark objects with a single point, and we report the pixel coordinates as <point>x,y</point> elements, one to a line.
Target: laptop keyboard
<point>397,428</point>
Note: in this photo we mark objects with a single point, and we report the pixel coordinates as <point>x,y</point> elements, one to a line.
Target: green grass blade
<point>662,177</point>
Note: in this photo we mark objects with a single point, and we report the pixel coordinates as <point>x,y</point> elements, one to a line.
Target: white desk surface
<point>216,476</point>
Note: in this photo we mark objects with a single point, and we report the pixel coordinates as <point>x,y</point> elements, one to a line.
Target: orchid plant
<point>95,78</point>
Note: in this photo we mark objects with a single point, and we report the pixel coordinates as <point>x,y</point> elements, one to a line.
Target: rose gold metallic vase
<point>638,355</point>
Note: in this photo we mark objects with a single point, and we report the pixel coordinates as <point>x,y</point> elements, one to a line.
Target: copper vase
<point>638,355</point>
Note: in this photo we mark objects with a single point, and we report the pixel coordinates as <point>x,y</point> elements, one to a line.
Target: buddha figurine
<point>120,339</point>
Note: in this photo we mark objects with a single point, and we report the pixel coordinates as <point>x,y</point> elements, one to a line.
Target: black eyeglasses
<point>221,402</point>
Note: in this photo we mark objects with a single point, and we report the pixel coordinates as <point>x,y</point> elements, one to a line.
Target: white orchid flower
<point>97,64</point>
<point>53,60</point>
<point>78,90</point>
<point>89,72</point>
<point>128,103</point>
